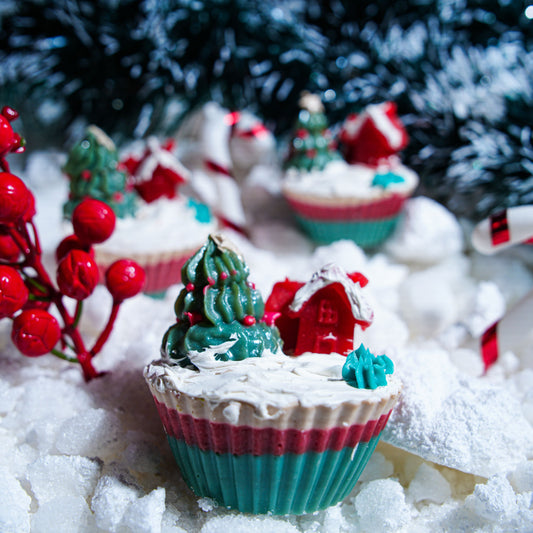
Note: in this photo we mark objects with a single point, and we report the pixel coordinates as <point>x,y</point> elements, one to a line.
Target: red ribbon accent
<point>256,131</point>
<point>227,223</point>
<point>215,167</point>
<point>499,228</point>
<point>232,118</point>
<point>489,346</point>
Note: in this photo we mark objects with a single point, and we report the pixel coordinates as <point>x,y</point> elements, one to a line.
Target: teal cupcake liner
<point>365,233</point>
<point>276,484</point>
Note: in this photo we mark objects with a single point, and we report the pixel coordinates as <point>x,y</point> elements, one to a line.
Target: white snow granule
<point>14,504</point>
<point>381,506</point>
<point>429,485</point>
<point>54,476</point>
<point>239,523</point>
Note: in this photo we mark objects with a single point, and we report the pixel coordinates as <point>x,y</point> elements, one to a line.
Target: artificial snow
<point>456,455</point>
<point>381,506</point>
<point>426,234</point>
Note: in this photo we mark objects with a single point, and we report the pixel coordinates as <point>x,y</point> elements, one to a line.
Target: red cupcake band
<point>240,440</point>
<point>383,208</point>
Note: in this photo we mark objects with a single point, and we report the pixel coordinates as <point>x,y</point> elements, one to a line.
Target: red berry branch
<point>26,289</point>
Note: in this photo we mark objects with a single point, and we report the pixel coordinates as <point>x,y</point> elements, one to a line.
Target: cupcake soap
<point>155,226</point>
<point>252,428</point>
<point>360,198</point>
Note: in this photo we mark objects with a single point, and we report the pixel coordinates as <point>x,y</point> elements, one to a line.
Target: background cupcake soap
<point>359,197</point>
<point>156,226</point>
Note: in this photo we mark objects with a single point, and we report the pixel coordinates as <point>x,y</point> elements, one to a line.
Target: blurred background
<point>460,71</point>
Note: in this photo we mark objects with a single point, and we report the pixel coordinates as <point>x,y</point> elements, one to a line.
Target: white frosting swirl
<point>269,383</point>
<point>160,226</point>
<point>341,180</point>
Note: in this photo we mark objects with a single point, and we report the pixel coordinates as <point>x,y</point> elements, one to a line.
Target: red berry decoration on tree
<point>13,292</point>
<point>14,198</point>
<point>35,332</point>
<point>93,221</point>
<point>77,275</point>
<point>124,279</point>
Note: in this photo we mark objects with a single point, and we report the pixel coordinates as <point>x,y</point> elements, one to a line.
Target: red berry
<point>14,198</point>
<point>9,251</point>
<point>72,243</point>
<point>13,292</point>
<point>124,279</point>
<point>7,136</point>
<point>249,320</point>
<point>93,221</point>
<point>77,275</point>
<point>35,332</point>
<point>30,209</point>
<point>9,113</point>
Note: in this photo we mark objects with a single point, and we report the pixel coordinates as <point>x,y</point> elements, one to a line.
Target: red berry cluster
<point>26,290</point>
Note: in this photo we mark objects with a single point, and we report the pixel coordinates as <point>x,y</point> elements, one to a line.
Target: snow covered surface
<point>457,454</point>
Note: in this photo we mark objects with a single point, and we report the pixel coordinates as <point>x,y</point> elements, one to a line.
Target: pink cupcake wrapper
<point>316,210</point>
<point>162,270</point>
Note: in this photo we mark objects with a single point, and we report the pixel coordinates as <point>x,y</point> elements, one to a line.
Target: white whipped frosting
<point>341,180</point>
<point>269,383</point>
<point>160,226</point>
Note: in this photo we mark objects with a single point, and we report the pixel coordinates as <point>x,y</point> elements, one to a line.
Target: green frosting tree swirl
<point>92,168</point>
<point>218,307</point>
<point>312,146</point>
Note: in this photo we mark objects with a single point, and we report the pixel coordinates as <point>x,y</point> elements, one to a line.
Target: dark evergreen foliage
<point>459,70</point>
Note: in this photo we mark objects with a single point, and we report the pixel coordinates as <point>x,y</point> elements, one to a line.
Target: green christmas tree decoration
<point>218,308</point>
<point>92,168</point>
<point>312,146</point>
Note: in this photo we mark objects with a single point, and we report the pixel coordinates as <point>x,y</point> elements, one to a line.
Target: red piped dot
<point>211,281</point>
<point>189,287</point>
<point>233,272</point>
<point>249,320</point>
<point>223,275</point>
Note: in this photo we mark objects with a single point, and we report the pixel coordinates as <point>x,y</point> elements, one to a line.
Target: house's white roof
<point>158,156</point>
<point>329,274</point>
<point>383,123</point>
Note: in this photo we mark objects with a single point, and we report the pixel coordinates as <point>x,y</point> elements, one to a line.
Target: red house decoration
<point>373,136</point>
<point>319,316</point>
<point>157,173</point>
